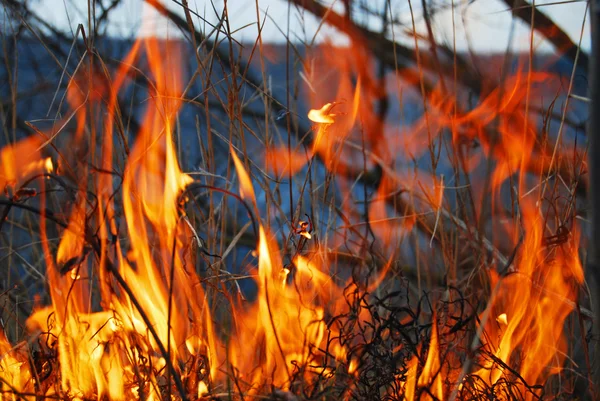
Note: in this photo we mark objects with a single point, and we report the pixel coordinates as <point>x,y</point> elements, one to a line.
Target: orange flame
<point>109,353</point>
<point>153,183</point>
<point>21,161</point>
<point>286,322</point>
<point>530,325</point>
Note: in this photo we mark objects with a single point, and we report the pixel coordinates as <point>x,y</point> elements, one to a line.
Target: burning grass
<point>139,306</point>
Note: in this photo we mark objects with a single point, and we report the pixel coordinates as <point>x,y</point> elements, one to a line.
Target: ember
<point>437,259</point>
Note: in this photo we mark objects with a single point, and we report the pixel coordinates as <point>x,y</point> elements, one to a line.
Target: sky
<point>484,25</point>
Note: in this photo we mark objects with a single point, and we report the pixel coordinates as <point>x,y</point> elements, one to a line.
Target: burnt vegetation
<point>205,218</point>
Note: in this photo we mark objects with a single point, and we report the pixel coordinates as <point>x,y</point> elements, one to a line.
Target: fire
<point>99,352</point>
<point>287,321</point>
<point>21,162</point>
<point>322,115</point>
<point>527,329</point>
<point>151,333</point>
<point>431,377</point>
<point>13,366</point>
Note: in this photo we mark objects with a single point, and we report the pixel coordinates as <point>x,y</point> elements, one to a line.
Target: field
<point>378,215</point>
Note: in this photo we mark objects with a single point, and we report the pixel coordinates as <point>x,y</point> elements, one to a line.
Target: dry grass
<point>367,209</point>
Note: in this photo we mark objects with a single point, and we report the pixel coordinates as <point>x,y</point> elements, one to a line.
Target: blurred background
<point>452,120</point>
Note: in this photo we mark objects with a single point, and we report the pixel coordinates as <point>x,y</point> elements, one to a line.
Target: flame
<point>286,322</point>
<point>152,299</point>
<point>527,327</point>
<point>411,378</point>
<point>73,239</point>
<point>332,131</point>
<point>322,115</point>
<point>431,377</point>
<point>157,260</point>
<point>523,328</point>
<point>246,189</point>
<point>22,161</point>
<point>14,368</point>
<point>98,350</point>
